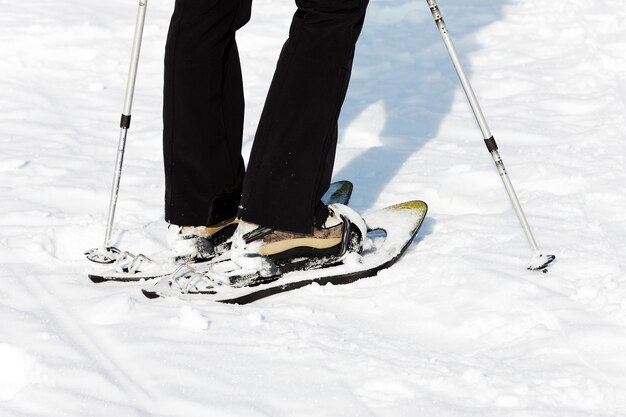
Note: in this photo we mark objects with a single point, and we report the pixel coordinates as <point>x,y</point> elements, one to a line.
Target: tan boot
<point>200,243</point>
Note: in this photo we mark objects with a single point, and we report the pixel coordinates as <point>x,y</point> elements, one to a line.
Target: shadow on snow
<point>402,86</point>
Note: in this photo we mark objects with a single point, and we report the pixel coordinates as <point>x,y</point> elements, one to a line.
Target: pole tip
<point>103,255</point>
<point>540,262</point>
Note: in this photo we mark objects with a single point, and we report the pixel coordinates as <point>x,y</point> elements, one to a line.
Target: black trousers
<point>293,153</point>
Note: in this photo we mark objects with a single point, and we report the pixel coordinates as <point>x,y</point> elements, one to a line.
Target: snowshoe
<point>243,279</point>
<point>193,245</point>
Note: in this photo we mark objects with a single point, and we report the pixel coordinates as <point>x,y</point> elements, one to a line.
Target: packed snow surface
<point>457,328</point>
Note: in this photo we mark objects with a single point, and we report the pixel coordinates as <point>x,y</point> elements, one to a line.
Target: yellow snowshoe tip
<point>411,205</point>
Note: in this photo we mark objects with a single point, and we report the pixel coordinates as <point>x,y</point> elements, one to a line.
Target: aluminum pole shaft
<point>482,123</point>
<point>125,120</point>
<point>134,61</point>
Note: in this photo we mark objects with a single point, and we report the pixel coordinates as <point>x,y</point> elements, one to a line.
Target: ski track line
<point>117,376</point>
<point>113,371</point>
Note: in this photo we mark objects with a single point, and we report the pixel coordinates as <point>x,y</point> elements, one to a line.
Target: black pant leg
<point>293,153</point>
<point>203,112</point>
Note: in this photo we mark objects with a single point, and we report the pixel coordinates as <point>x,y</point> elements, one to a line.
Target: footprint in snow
<point>12,164</point>
<point>110,310</point>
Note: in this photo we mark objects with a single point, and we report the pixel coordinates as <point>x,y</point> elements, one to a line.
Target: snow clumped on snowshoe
<point>199,243</point>
<point>260,255</point>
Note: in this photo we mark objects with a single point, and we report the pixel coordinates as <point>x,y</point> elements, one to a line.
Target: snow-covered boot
<point>259,254</point>
<point>200,243</point>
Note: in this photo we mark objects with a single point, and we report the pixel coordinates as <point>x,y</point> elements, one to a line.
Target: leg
<point>203,112</point>
<point>293,154</point>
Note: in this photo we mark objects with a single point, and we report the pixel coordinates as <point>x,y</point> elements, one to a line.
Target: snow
<point>16,367</point>
<point>457,328</point>
<point>190,318</point>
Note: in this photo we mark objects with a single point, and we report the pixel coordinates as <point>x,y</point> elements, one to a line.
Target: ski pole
<point>108,253</point>
<point>538,261</point>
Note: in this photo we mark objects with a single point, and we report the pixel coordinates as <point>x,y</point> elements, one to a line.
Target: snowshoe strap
<point>345,241</point>
<point>123,262</point>
<point>256,234</point>
<point>132,264</point>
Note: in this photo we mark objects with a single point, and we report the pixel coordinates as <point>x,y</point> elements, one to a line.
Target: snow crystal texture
<point>457,328</point>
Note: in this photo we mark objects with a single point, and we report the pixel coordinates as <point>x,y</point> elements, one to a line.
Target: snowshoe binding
<point>260,255</point>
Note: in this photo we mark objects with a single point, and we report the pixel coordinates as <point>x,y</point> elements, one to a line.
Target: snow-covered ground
<point>458,328</point>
